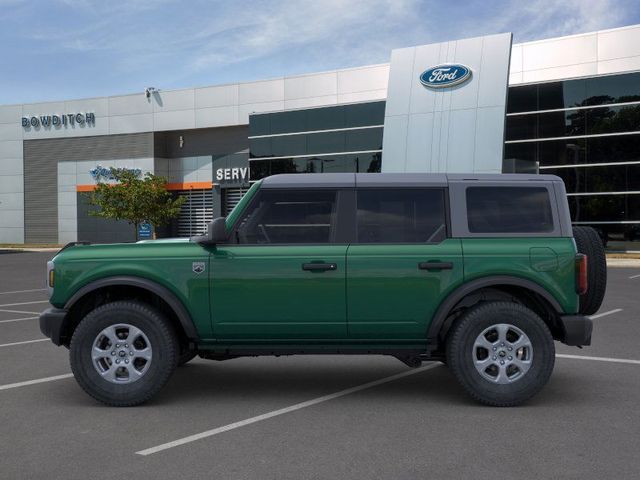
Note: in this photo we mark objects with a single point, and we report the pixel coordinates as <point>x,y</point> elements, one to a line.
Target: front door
<point>402,265</point>
<point>285,276</point>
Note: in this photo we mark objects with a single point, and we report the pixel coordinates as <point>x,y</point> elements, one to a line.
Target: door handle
<point>319,267</point>
<point>435,265</point>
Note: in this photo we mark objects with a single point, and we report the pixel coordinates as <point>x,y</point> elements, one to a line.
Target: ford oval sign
<point>442,76</point>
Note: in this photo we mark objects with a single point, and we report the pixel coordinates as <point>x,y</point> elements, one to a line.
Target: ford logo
<point>442,76</point>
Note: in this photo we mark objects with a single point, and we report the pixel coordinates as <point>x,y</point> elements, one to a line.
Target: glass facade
<point>586,131</point>
<point>344,138</point>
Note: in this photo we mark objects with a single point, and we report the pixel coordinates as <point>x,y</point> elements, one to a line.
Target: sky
<point>68,49</point>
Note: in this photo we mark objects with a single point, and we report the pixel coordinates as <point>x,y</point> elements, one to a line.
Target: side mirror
<point>216,233</point>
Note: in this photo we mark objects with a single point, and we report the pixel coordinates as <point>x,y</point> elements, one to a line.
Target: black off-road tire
<point>163,342</point>
<point>460,353</point>
<point>588,242</point>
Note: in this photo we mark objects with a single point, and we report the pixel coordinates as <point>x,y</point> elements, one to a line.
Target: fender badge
<point>197,267</point>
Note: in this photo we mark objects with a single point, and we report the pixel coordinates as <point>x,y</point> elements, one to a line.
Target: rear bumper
<point>577,330</point>
<point>51,324</point>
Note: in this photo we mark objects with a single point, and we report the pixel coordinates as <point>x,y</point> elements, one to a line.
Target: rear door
<point>402,264</point>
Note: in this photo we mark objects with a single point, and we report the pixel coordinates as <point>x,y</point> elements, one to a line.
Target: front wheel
<point>502,353</point>
<point>186,356</point>
<point>123,353</point>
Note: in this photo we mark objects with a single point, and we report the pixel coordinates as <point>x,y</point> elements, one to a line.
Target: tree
<point>134,199</point>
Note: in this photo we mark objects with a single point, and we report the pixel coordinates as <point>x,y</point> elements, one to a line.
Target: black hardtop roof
<point>345,180</point>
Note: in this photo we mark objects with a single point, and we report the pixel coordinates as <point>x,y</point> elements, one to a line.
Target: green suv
<point>481,272</point>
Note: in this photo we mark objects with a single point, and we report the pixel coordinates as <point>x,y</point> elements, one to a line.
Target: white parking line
<point>23,303</point>
<point>34,382</point>
<point>282,411</point>
<point>599,359</point>
<point>23,343</point>
<point>634,276</point>
<point>17,311</point>
<point>18,319</point>
<point>603,314</point>
<point>24,291</point>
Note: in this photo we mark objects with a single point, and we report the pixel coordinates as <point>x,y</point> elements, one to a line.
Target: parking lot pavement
<point>317,417</point>
<point>616,334</point>
<point>23,271</point>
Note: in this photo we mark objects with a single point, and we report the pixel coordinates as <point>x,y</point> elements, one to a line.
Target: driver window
<point>289,217</point>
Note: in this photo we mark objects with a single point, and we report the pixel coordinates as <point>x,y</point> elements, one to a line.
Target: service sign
<point>442,76</point>
<point>235,174</point>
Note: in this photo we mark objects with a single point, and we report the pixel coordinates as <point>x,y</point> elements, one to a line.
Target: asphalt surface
<point>585,423</point>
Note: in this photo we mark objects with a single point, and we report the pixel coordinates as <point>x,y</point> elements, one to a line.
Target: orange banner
<point>170,186</point>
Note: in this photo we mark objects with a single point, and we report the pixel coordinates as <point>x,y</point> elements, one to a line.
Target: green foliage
<point>135,199</point>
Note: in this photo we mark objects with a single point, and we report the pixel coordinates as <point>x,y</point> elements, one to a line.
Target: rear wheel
<point>502,353</point>
<point>123,353</point>
<point>588,242</point>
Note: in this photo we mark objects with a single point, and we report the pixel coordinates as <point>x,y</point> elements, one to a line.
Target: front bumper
<point>577,330</point>
<point>51,324</point>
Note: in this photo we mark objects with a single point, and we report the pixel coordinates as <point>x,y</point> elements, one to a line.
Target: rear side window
<point>401,216</point>
<point>509,210</point>
<point>289,217</point>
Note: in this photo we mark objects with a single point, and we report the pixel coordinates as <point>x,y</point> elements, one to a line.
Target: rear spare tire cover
<point>588,242</point>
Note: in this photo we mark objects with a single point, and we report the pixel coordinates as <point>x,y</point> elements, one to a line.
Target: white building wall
<point>190,169</point>
<point>11,176</point>
<point>206,107</point>
<point>67,202</point>
<point>597,53</point>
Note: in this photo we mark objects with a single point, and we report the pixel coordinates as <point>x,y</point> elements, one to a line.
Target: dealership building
<point>568,106</point>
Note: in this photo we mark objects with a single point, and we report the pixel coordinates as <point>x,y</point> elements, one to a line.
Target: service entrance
<point>196,212</point>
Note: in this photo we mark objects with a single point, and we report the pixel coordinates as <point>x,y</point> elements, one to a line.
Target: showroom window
<point>601,90</point>
<point>343,138</point>
<point>586,131</point>
<point>401,216</point>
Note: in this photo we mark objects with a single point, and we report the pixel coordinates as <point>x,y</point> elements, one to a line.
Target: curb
<point>15,249</point>
<point>623,262</point>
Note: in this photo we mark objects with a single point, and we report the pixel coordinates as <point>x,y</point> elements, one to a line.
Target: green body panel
<point>549,262</point>
<point>389,297</point>
<point>262,292</point>
<point>168,263</point>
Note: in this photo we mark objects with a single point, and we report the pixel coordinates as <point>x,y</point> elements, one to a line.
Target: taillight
<point>582,283</point>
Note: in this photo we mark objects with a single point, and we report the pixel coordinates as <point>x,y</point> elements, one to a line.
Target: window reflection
<point>601,90</point>
<point>598,146</point>
<point>614,178</point>
<point>613,119</point>
<point>361,162</point>
<point>562,152</point>
<point>601,208</point>
<point>323,118</point>
<point>316,143</point>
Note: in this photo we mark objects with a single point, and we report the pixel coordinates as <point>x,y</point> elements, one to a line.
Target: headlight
<point>51,277</point>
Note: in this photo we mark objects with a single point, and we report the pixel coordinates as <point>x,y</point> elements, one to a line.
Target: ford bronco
<point>481,272</point>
